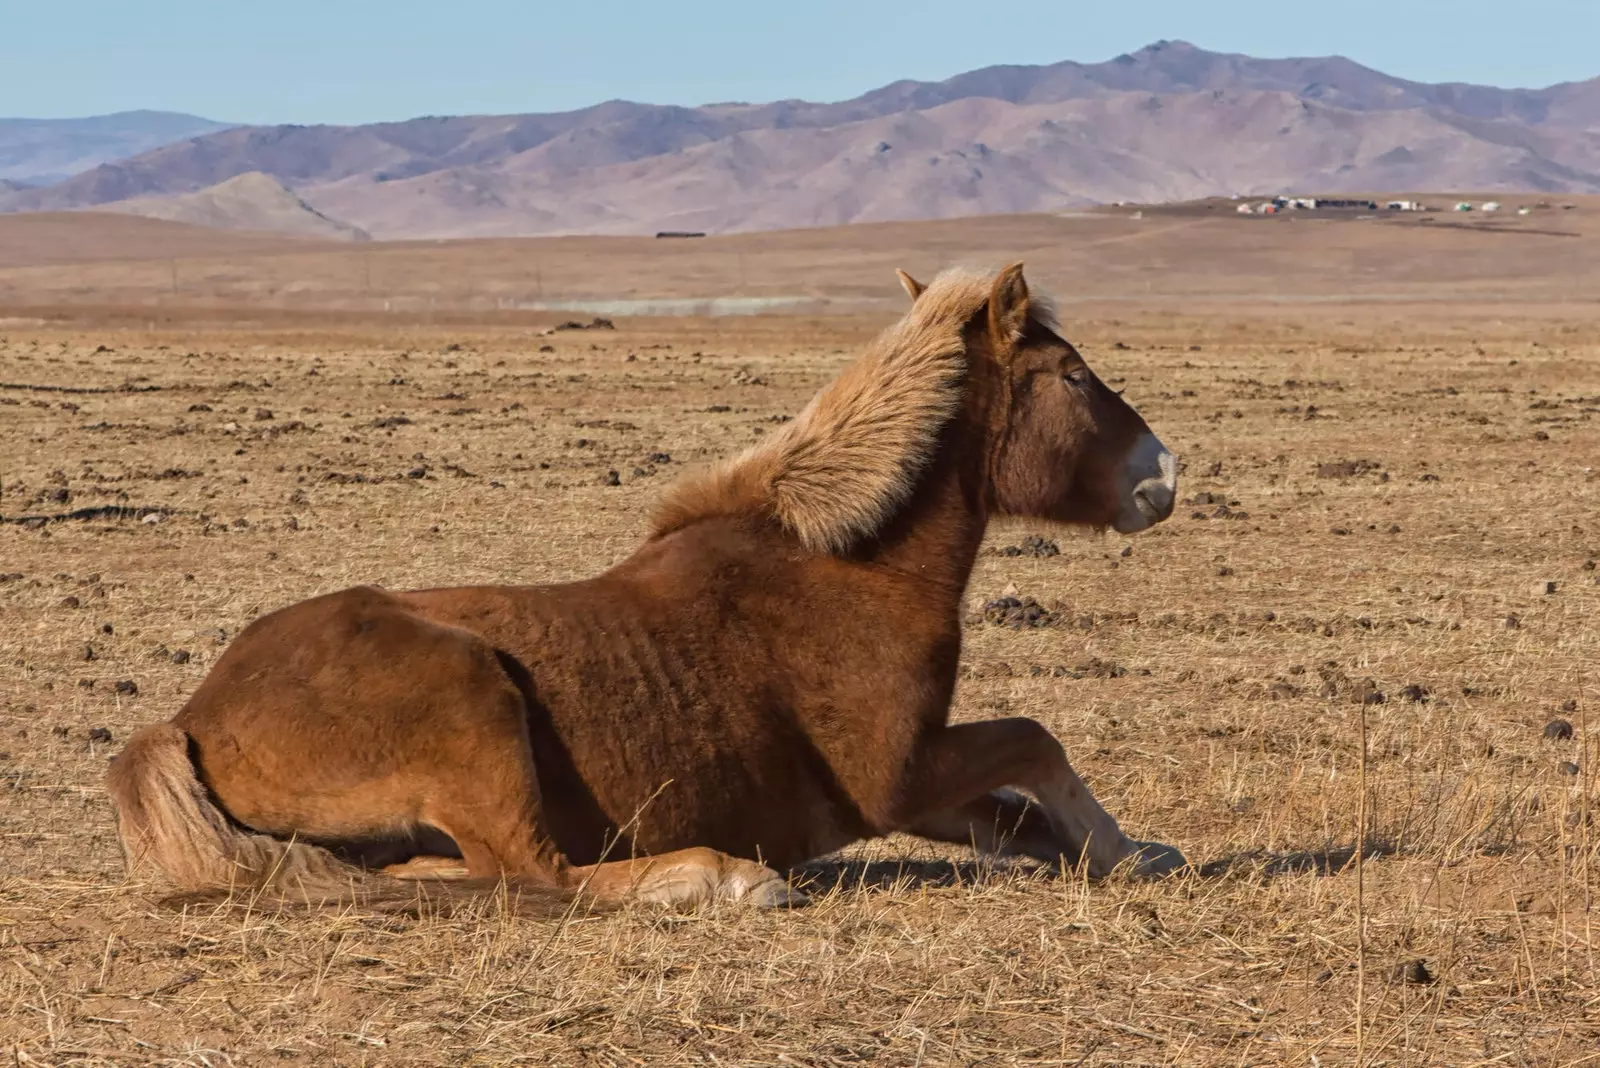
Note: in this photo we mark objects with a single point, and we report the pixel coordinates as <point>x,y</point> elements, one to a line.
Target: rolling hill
<point>250,201</point>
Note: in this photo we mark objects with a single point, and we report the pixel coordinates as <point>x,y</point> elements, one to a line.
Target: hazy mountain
<point>40,151</point>
<point>1170,121</point>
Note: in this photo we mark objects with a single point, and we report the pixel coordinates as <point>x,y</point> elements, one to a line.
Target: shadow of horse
<point>820,877</point>
<point>845,875</point>
<point>1262,864</point>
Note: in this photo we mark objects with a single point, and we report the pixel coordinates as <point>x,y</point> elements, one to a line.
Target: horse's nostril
<point>1154,499</point>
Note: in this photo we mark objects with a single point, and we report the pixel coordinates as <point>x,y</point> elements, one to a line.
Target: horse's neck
<point>936,535</point>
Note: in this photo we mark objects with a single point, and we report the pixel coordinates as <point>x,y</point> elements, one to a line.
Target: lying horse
<point>765,680</point>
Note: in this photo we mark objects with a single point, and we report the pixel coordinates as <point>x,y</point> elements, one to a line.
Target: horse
<point>765,680</point>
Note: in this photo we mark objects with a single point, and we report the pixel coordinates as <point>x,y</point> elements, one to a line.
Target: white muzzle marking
<point>1150,485</point>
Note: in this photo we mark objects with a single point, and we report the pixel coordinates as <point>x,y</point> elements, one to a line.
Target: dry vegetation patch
<point>1389,515</point>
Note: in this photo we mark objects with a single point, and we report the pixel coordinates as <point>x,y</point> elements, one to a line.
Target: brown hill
<point>252,201</point>
<point>1169,122</point>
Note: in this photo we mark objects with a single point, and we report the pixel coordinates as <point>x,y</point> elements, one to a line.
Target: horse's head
<point>1065,446</point>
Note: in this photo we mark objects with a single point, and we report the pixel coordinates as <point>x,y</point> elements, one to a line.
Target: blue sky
<point>361,61</point>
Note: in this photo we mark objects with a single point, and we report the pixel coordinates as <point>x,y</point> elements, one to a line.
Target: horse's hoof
<point>1154,859</point>
<point>776,894</point>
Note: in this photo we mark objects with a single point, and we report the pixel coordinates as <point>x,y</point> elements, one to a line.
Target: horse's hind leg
<point>428,867</point>
<point>686,877</point>
<point>483,791</point>
<point>953,793</point>
<point>485,794</point>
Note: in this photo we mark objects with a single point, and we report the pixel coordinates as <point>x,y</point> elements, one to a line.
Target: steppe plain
<point>1390,516</point>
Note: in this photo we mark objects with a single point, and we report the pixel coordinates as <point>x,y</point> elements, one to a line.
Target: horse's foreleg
<point>950,794</point>
<point>1002,822</point>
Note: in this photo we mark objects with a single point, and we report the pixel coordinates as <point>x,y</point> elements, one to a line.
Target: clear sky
<point>349,61</point>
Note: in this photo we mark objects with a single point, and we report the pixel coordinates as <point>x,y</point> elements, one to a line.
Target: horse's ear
<point>1008,305</point>
<point>912,287</point>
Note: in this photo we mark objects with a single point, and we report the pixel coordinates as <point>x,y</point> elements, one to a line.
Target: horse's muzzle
<point>1150,478</point>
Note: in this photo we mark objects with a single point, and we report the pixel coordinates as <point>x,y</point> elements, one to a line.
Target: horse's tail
<point>172,829</point>
<point>173,832</point>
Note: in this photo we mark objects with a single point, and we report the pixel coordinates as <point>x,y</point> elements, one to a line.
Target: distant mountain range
<point>1169,122</point>
<point>44,151</point>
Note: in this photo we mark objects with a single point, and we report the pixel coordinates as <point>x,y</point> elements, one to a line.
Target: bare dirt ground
<point>1173,255</point>
<point>1391,512</point>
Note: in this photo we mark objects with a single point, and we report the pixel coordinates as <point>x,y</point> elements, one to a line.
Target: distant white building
<point>1404,205</point>
<point>1491,205</point>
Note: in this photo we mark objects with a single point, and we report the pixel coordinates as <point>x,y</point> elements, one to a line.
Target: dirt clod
<point>1032,545</point>
<point>1414,972</point>
<point>1558,730</point>
<point>1347,468</point>
<point>1017,612</point>
<point>1366,692</point>
<point>127,687</point>
<point>99,734</point>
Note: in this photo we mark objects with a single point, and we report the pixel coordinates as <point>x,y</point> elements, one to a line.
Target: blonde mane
<point>851,458</point>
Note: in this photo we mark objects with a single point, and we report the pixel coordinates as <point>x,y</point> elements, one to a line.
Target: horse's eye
<point>1078,376</point>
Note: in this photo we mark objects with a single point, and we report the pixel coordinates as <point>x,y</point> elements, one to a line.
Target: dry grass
<point>1210,693</point>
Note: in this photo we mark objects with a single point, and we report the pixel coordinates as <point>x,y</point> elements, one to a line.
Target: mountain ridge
<point>1170,121</point>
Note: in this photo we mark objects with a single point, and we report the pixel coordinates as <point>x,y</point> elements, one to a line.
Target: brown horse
<point>767,679</point>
